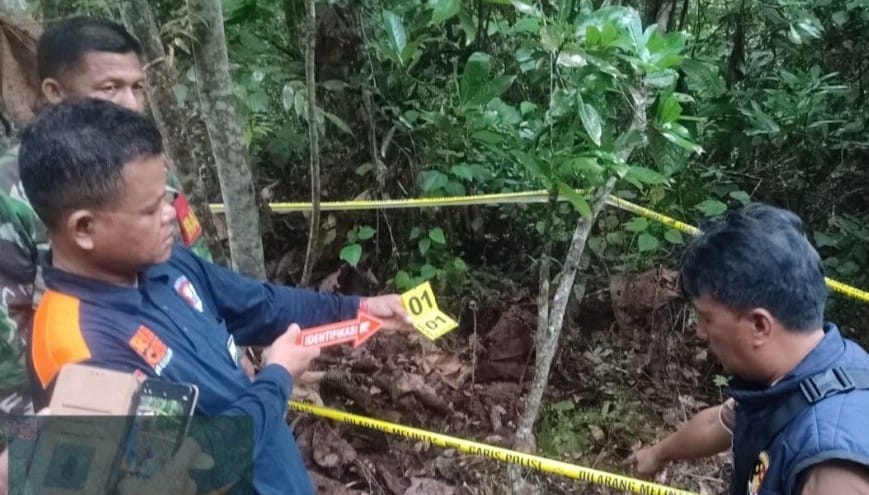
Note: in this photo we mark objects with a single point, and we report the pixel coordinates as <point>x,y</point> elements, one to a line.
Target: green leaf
<point>669,110</point>
<point>571,58</point>
<point>661,79</point>
<point>637,224</point>
<point>475,75</point>
<point>585,166</point>
<point>647,242</point>
<point>506,113</point>
<point>469,26</point>
<point>488,137</point>
<point>495,87</point>
<point>437,235</point>
<point>673,236</point>
<point>351,253</point>
<point>712,207</point>
<point>645,175</point>
<point>561,103</point>
<point>414,233</point>
<point>591,121</point>
<point>824,240</point>
<point>433,180</point>
<point>395,33</point>
<point>527,25</point>
<point>258,101</point>
<point>678,135</point>
<point>337,122</point>
<point>444,9</point>
<point>365,233</point>
<point>577,200</point>
<point>741,196</point>
<point>288,96</point>
<point>402,280</point>
<point>463,171</point>
<point>460,265</point>
<point>563,406</point>
<point>550,38</point>
<point>527,107</point>
<point>592,35</point>
<point>427,272</point>
<point>455,188</point>
<point>424,245</point>
<point>848,268</point>
<point>840,17</point>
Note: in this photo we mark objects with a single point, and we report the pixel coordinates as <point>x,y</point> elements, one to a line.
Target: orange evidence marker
<point>357,330</point>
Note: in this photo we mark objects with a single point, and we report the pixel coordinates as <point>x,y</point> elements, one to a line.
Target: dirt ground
<point>629,369</point>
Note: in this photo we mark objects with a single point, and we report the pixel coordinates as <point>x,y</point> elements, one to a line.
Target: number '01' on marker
<point>357,330</point>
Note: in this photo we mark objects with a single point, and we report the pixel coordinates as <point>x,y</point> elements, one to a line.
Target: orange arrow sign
<point>357,330</point>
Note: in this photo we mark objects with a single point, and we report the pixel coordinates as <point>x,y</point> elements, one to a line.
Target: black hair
<point>73,154</point>
<point>62,46</point>
<point>758,256</point>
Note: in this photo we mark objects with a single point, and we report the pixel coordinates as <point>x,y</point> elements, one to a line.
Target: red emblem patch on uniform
<point>187,292</point>
<point>188,224</point>
<point>151,349</point>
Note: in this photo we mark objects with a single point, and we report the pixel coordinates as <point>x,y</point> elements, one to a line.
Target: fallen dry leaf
<point>395,484</point>
<point>330,450</point>
<point>428,486</point>
<point>449,368</point>
<point>413,383</point>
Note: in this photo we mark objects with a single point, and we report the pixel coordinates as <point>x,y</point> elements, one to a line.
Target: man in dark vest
<point>797,417</point>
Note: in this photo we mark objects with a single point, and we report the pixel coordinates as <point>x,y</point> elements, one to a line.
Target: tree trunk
<point>225,132</point>
<point>314,140</point>
<point>172,119</point>
<point>551,321</point>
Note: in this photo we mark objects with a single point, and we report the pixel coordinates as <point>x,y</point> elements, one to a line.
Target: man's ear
<point>80,229</point>
<point>52,90</point>
<point>762,323</point>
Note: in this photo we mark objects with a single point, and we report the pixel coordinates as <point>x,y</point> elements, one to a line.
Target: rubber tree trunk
<point>172,118</point>
<point>225,132</point>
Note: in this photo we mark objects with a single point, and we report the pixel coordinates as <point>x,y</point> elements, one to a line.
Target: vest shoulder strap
<point>812,390</point>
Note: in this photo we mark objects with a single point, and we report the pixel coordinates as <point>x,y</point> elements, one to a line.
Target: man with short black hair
<point>78,57</point>
<point>90,57</point>
<point>800,391</point>
<point>122,295</point>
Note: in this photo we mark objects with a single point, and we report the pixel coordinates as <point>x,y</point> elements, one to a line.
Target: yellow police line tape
<point>540,196</point>
<point>542,464</point>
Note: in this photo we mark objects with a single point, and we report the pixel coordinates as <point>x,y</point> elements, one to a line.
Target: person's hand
<point>389,310</point>
<point>646,462</point>
<point>293,357</point>
<point>173,477</point>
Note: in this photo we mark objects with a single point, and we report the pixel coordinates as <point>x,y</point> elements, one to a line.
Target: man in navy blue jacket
<point>122,295</point>
<point>796,419</point>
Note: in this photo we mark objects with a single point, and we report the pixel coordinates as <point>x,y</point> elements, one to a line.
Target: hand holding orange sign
<point>357,330</point>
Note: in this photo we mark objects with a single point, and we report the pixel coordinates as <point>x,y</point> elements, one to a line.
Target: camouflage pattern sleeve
<point>188,230</point>
<point>22,236</point>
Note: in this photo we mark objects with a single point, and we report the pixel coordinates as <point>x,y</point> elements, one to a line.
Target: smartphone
<point>162,416</point>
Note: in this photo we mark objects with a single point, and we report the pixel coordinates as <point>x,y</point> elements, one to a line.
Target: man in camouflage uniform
<point>79,57</point>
